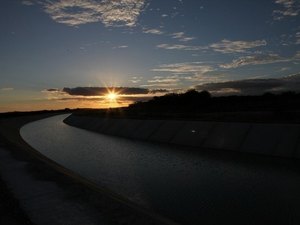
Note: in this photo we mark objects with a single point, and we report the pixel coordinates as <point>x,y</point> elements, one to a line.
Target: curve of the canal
<point>190,186</point>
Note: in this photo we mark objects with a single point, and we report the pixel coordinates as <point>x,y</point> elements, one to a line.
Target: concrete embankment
<point>268,139</point>
<point>39,191</point>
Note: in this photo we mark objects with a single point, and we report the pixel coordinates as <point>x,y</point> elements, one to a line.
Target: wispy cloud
<point>163,81</point>
<point>181,36</point>
<point>297,38</point>
<point>7,89</point>
<point>181,73</point>
<point>253,86</point>
<point>284,69</point>
<point>166,80</point>
<point>260,59</point>
<point>110,13</point>
<point>27,2</point>
<point>120,47</point>
<point>181,47</point>
<point>253,60</point>
<point>153,31</point>
<point>202,78</point>
<point>184,68</point>
<point>160,85</point>
<point>227,46</point>
<point>289,8</point>
<point>136,80</point>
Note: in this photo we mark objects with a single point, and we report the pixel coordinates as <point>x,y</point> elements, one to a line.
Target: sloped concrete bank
<point>48,193</point>
<point>268,139</point>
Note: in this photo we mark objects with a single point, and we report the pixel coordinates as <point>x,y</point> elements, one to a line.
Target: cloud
<point>284,69</point>
<point>166,80</point>
<point>52,90</point>
<point>202,78</point>
<point>163,81</point>
<point>184,68</point>
<point>27,2</point>
<point>160,85</point>
<point>254,60</point>
<point>182,37</point>
<point>181,73</point>
<point>100,91</point>
<point>181,47</point>
<point>136,80</point>
<point>177,80</point>
<point>297,38</point>
<point>253,86</point>
<point>153,31</point>
<point>7,89</point>
<point>289,8</point>
<point>227,46</point>
<point>258,60</point>
<point>109,12</point>
<point>120,47</point>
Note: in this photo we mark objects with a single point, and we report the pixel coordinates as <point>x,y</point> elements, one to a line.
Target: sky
<point>71,53</point>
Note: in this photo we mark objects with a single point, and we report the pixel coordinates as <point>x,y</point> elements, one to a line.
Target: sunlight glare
<point>112,96</point>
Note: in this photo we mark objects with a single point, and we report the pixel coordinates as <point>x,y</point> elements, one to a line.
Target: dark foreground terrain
<point>10,210</point>
<point>106,208</point>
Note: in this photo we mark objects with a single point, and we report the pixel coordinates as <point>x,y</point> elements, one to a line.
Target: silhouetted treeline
<point>194,101</point>
<point>194,105</point>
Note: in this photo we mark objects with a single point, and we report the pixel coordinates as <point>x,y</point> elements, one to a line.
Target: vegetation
<point>284,107</point>
<point>193,101</point>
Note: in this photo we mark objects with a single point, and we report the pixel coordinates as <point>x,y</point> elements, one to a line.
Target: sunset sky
<point>67,53</point>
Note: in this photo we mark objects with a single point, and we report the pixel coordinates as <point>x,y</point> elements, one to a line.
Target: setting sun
<point>112,96</point>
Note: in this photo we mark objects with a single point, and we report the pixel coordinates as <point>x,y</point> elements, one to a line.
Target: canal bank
<point>271,139</point>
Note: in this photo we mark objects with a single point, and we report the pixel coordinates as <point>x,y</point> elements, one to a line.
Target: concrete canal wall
<point>268,139</point>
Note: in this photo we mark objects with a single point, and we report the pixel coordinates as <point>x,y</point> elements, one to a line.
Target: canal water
<point>189,186</point>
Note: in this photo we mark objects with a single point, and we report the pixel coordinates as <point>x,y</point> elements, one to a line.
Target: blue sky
<point>172,45</point>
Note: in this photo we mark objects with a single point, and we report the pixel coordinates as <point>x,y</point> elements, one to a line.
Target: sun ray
<point>112,95</point>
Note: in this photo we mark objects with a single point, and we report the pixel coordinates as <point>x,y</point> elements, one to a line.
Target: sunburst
<point>112,95</point>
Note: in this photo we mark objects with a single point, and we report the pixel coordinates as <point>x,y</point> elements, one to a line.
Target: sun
<point>112,96</point>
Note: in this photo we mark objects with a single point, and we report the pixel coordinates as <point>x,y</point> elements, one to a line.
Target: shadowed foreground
<point>187,185</point>
<point>50,194</point>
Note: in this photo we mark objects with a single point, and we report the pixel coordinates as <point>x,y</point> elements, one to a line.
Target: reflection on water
<point>186,186</point>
